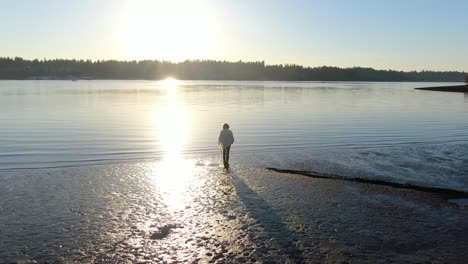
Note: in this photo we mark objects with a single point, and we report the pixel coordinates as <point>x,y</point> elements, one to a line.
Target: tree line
<point>21,69</point>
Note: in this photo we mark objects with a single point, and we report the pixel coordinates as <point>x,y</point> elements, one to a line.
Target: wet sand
<point>153,212</point>
<point>454,88</point>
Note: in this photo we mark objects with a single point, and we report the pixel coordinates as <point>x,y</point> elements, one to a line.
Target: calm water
<point>383,130</point>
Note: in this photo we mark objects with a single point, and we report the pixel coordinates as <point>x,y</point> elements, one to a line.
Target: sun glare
<point>172,177</point>
<point>168,30</point>
<point>172,130</point>
<point>170,83</point>
<point>173,173</point>
<point>172,121</point>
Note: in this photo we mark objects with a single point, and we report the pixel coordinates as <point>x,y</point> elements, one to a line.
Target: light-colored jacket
<point>226,138</point>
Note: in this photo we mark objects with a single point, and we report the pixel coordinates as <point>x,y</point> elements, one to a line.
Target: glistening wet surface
<point>388,131</point>
<point>195,211</point>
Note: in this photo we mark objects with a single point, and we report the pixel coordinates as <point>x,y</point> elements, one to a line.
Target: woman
<point>226,138</point>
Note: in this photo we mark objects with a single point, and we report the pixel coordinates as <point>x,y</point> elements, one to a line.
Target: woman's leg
<point>227,154</point>
<point>224,156</point>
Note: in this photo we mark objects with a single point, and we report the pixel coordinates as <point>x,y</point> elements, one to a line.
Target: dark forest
<point>21,69</point>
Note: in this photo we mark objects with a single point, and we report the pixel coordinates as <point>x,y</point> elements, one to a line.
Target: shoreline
<point>240,80</point>
<point>454,88</point>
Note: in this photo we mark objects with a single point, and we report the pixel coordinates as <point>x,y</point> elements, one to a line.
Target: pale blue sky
<point>384,34</point>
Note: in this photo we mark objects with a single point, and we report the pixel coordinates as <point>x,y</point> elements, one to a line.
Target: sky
<point>383,34</point>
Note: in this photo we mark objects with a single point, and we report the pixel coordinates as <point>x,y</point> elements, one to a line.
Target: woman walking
<point>226,138</point>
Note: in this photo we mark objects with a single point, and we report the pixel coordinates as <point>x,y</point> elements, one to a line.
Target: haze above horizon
<point>400,35</point>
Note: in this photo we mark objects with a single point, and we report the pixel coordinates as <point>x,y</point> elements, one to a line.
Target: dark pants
<point>226,156</point>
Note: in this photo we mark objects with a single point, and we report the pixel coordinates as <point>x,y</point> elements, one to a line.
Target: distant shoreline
<point>20,69</point>
<point>236,80</point>
<point>454,88</point>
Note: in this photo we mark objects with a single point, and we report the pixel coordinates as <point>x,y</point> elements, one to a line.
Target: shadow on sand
<point>270,221</point>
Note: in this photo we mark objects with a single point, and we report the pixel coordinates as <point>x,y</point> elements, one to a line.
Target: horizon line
<point>227,61</point>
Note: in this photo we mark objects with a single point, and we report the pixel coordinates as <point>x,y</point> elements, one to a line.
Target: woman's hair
<point>225,126</point>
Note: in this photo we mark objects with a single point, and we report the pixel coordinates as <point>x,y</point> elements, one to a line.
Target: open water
<point>382,130</point>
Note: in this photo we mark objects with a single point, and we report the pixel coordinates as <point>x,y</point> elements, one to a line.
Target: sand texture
<point>198,212</point>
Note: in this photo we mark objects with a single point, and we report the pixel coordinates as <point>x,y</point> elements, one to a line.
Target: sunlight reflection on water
<point>173,173</point>
<point>172,122</point>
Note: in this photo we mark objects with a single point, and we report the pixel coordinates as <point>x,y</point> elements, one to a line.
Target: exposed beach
<point>132,212</point>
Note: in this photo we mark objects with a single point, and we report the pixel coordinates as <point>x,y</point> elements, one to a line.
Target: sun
<point>173,30</point>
